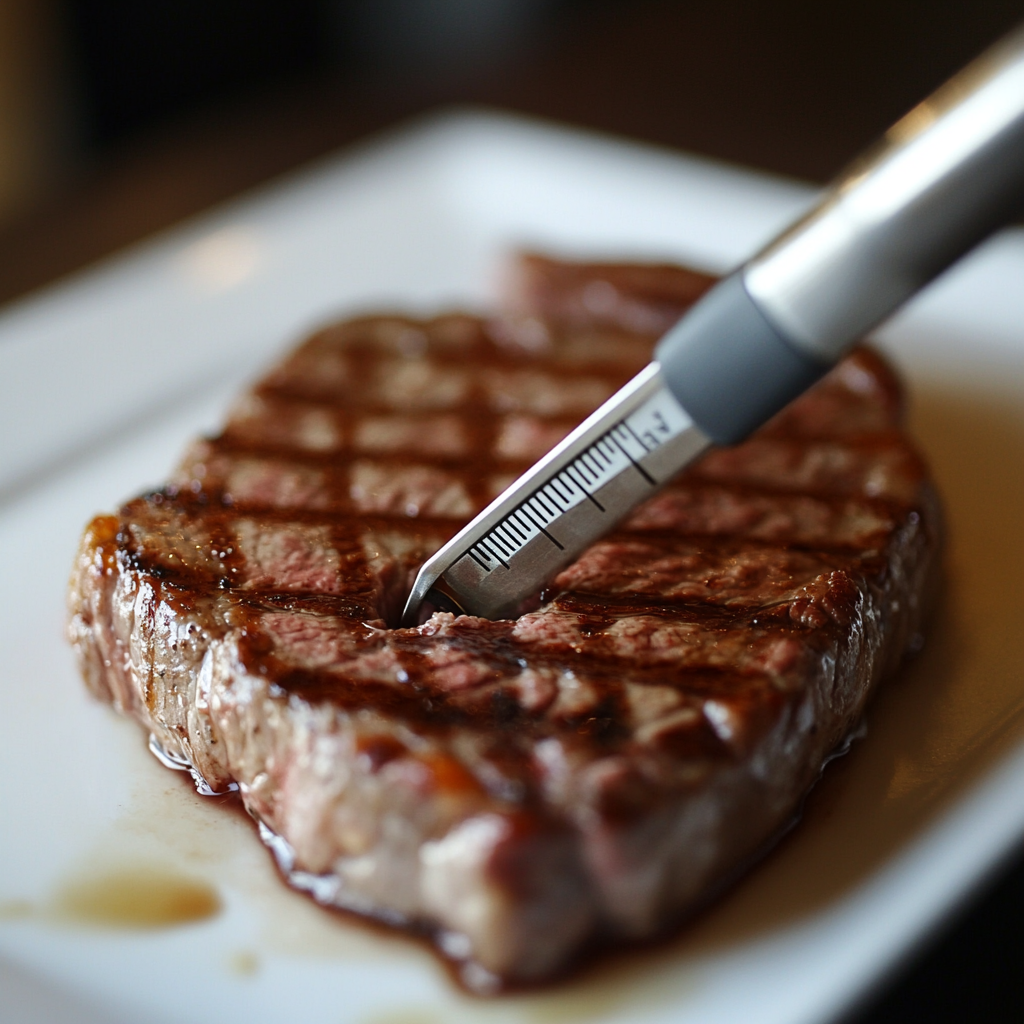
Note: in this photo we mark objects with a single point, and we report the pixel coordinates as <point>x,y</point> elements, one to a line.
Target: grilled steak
<point>519,788</point>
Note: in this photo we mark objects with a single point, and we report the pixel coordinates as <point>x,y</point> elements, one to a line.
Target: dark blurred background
<point>120,117</point>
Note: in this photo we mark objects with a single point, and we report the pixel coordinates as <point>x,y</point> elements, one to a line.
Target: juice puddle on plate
<point>951,713</point>
<point>136,896</point>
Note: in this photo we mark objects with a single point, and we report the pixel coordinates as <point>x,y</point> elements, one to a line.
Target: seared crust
<point>592,769</point>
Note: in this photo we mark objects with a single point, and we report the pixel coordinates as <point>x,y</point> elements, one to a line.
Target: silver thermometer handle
<point>940,181</point>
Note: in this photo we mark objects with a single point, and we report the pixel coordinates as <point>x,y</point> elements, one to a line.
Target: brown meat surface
<point>520,789</point>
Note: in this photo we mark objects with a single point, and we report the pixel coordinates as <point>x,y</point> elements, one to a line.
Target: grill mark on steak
<point>591,769</point>
<point>811,521</point>
<point>862,468</point>
<point>717,572</point>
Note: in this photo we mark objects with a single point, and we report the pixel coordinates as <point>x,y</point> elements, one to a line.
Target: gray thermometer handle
<point>941,180</point>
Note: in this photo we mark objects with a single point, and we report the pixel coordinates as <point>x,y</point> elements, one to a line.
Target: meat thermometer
<point>940,181</point>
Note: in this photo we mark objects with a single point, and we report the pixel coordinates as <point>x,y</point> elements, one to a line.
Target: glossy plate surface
<point>105,377</point>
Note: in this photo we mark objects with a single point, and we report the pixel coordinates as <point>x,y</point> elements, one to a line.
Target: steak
<point>519,789</point>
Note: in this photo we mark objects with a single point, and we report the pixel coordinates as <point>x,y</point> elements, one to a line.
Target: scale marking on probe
<point>588,472</point>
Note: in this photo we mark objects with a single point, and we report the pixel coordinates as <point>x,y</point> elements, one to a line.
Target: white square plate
<point>104,378</point>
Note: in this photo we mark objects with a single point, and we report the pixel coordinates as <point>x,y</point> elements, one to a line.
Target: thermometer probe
<point>940,181</point>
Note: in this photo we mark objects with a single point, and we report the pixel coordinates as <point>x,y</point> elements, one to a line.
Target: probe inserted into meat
<point>520,789</point>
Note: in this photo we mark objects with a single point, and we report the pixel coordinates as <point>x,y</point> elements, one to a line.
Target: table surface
<point>790,87</point>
